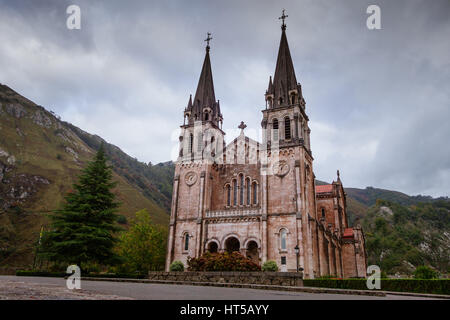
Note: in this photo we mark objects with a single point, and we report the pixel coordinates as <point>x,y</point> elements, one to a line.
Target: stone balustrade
<point>232,213</point>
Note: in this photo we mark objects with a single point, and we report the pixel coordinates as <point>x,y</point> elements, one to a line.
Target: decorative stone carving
<point>281,168</point>
<point>190,178</point>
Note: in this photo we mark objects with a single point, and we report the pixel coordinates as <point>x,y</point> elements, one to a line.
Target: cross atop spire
<point>208,38</point>
<point>283,16</point>
<point>242,126</point>
<point>283,88</point>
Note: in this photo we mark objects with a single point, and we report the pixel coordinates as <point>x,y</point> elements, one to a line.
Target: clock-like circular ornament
<point>190,178</point>
<point>281,168</point>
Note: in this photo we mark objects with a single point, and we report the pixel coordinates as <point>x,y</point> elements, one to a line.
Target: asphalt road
<point>147,291</point>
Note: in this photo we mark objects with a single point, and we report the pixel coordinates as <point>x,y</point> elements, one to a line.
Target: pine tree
<point>83,230</point>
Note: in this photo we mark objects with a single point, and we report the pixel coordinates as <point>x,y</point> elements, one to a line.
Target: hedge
<point>31,273</point>
<point>222,261</point>
<point>436,286</point>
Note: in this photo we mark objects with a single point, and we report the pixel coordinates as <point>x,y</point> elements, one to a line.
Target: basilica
<point>259,197</point>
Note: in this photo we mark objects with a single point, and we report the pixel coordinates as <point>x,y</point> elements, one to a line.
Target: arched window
<point>241,189</point>
<point>255,193</point>
<point>287,128</point>
<point>228,195</point>
<point>275,129</point>
<point>293,99</point>
<point>283,240</point>
<point>234,192</point>
<point>200,142</point>
<point>323,212</point>
<point>206,116</point>
<point>186,242</point>
<point>191,142</point>
<point>247,187</point>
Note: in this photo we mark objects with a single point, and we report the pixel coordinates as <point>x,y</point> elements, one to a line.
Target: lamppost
<point>297,250</point>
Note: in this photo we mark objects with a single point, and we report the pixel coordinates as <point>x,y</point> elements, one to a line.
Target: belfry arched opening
<point>232,244</point>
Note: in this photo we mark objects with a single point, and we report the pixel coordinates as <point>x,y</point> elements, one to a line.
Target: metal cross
<point>242,126</point>
<point>283,16</point>
<point>208,38</point>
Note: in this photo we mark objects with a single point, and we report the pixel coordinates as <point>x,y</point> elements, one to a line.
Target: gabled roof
<point>324,188</point>
<point>348,233</point>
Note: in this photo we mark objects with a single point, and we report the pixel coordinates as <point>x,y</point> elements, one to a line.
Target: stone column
<point>298,205</point>
<point>308,226</point>
<point>200,214</point>
<point>330,256</point>
<point>173,214</point>
<point>263,193</point>
<point>338,264</point>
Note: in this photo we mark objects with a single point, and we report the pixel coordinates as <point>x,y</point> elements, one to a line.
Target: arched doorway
<point>213,247</point>
<point>232,244</point>
<point>252,251</point>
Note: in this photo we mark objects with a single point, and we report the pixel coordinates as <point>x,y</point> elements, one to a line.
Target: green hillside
<point>400,238</point>
<point>40,157</point>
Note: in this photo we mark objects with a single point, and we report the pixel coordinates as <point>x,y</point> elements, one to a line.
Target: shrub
<point>121,219</point>
<point>270,265</point>
<point>223,261</point>
<point>177,266</point>
<point>425,272</point>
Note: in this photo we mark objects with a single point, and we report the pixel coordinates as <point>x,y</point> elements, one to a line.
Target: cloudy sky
<point>378,100</point>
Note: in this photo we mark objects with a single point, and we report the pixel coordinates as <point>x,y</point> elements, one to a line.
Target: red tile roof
<point>348,233</point>
<point>324,189</point>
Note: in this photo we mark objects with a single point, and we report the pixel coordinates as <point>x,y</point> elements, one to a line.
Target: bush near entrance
<point>223,261</point>
<point>270,266</point>
<point>176,266</point>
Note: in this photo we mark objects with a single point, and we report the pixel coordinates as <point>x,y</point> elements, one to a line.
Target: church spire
<point>205,107</point>
<point>284,90</point>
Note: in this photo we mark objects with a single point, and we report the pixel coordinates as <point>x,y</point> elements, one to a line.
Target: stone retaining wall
<point>8,271</point>
<point>269,278</point>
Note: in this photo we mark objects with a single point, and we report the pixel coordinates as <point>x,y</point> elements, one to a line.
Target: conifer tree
<point>82,231</point>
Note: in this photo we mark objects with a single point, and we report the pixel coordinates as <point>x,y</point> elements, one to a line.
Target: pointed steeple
<point>270,88</point>
<point>204,96</point>
<point>189,105</point>
<point>284,81</point>
<point>205,107</point>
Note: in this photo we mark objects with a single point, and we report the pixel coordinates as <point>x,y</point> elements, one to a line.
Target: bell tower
<point>200,149</point>
<point>288,178</point>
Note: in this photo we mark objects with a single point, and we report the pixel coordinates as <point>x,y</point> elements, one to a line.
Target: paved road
<point>177,292</point>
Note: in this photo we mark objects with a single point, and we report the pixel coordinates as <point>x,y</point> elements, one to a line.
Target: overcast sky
<point>378,100</point>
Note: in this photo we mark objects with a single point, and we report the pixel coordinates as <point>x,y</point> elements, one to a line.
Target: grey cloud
<point>378,100</point>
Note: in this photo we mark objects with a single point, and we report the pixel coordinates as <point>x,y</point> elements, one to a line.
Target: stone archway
<point>232,244</point>
<point>252,251</point>
<point>213,247</point>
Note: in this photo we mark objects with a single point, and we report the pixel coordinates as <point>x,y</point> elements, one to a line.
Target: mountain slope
<point>400,238</point>
<point>40,157</point>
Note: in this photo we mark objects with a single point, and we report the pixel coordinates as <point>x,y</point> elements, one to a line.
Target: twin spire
<point>204,107</point>
<point>283,90</point>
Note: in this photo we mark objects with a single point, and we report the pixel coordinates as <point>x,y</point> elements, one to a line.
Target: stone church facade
<point>259,198</point>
